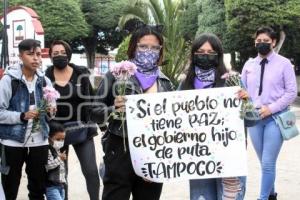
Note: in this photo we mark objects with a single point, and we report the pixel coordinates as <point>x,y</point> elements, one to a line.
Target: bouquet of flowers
<point>50,95</point>
<point>248,111</point>
<point>122,71</point>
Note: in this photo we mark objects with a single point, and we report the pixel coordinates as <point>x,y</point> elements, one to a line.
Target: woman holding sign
<point>205,71</point>
<point>120,181</point>
<point>271,83</point>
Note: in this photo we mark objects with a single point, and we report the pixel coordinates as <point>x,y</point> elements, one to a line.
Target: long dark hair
<point>141,32</point>
<point>216,44</point>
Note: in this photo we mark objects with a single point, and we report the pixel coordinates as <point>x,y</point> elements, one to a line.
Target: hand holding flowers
<point>243,94</point>
<point>31,114</point>
<point>248,111</point>
<point>122,72</point>
<point>46,105</point>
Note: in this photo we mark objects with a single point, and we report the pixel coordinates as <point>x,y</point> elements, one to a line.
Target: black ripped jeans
<point>119,180</point>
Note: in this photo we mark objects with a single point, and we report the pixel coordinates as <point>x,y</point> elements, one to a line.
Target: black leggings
<point>119,180</point>
<point>87,157</point>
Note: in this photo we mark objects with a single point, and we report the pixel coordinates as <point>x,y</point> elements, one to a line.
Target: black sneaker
<point>273,197</point>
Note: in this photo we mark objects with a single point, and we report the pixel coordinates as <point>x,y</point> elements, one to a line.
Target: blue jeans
<point>267,141</point>
<point>215,189</point>
<point>55,193</point>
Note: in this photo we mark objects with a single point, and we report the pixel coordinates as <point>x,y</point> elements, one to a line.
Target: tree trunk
<point>244,56</point>
<point>233,60</point>
<point>280,42</point>
<point>90,44</point>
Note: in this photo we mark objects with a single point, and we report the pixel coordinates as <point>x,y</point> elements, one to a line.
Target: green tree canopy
<point>61,19</point>
<point>188,19</point>
<point>102,17</point>
<point>122,50</point>
<point>244,17</point>
<point>212,18</point>
<point>166,13</point>
<point>91,23</point>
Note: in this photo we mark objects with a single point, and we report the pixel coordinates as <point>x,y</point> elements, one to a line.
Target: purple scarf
<point>146,80</point>
<point>147,69</point>
<point>204,78</point>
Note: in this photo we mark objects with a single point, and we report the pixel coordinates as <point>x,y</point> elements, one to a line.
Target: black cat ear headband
<point>157,28</point>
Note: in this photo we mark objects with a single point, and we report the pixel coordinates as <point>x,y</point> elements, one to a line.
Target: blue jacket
<point>11,107</point>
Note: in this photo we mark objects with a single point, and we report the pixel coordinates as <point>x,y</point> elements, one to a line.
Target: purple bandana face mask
<point>147,68</point>
<point>146,61</point>
<point>204,78</point>
<point>146,80</point>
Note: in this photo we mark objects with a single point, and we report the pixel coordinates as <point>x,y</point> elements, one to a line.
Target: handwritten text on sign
<point>187,134</point>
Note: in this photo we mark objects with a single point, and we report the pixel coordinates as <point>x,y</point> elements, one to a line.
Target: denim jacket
<point>11,107</point>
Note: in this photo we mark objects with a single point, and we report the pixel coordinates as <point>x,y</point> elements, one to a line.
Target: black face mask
<point>263,48</point>
<point>60,62</point>
<point>206,61</point>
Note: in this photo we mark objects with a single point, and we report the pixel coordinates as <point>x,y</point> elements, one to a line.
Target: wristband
<point>22,117</point>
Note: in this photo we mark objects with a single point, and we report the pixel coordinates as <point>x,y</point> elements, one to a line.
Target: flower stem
<point>122,93</point>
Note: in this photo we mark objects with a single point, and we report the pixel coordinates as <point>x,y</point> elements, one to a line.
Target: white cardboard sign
<point>194,134</point>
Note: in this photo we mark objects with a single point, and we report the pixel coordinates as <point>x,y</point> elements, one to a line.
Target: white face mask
<point>58,144</point>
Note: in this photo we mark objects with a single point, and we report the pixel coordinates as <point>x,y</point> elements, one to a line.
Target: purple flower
<point>225,76</point>
<point>123,70</point>
<point>50,94</point>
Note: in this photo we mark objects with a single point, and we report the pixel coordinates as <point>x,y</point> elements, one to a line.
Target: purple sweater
<point>279,82</point>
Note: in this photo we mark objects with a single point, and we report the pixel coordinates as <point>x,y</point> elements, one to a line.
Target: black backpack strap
<point>15,84</point>
<point>44,81</point>
<point>53,151</point>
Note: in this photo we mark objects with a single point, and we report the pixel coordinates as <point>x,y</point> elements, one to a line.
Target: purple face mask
<point>147,68</point>
<point>204,78</point>
<point>146,61</point>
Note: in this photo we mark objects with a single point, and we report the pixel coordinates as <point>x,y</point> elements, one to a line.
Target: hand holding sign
<point>186,134</point>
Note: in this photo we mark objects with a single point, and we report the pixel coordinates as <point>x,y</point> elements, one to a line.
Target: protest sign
<point>190,134</point>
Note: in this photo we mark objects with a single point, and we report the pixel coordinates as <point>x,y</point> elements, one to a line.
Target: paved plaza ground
<point>287,184</point>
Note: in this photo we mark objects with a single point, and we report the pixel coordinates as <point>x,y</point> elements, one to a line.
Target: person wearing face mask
<point>55,167</point>
<point>271,83</point>
<point>74,105</point>
<point>205,71</point>
<point>120,181</point>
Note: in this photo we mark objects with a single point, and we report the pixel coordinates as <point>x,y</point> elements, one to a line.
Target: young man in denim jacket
<point>21,92</point>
